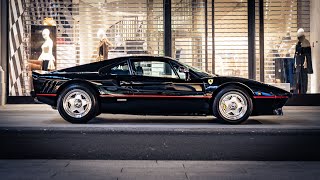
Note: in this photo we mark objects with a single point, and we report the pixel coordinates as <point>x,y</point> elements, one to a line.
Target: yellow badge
<point>210,81</point>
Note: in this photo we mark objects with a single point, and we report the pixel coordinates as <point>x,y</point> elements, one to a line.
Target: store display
<point>103,47</point>
<point>303,63</point>
<point>284,61</point>
<point>43,47</point>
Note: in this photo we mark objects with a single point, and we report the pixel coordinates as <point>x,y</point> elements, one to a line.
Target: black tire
<point>220,112</point>
<point>91,108</point>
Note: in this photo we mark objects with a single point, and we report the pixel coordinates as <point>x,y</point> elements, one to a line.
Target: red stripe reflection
<point>154,96</point>
<point>270,97</point>
<point>51,95</point>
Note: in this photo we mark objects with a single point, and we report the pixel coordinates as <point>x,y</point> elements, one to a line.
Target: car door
<point>116,87</point>
<point>157,88</point>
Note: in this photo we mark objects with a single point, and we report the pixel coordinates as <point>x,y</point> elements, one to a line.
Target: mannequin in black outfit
<point>303,63</point>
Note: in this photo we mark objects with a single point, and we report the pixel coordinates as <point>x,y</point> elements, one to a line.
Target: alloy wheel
<point>77,103</point>
<point>233,105</point>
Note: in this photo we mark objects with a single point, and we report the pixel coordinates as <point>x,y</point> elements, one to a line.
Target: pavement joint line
<point>186,175</point>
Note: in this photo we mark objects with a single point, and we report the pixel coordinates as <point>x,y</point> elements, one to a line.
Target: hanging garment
<point>289,70</point>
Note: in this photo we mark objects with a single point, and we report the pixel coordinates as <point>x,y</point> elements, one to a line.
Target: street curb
<point>174,144</point>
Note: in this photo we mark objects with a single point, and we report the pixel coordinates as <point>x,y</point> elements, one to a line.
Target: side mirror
<point>183,69</point>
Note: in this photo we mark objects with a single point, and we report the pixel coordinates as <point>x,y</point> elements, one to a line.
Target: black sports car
<point>153,85</point>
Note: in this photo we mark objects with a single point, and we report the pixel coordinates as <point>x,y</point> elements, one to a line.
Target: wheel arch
<point>224,85</point>
<point>78,81</point>
<point>240,86</point>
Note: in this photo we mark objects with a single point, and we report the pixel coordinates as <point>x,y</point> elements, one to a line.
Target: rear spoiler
<point>39,72</point>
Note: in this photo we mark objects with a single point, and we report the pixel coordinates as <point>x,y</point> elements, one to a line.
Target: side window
<point>153,68</point>
<point>119,69</point>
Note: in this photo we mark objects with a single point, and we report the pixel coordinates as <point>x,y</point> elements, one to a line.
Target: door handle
<point>167,83</point>
<point>124,83</point>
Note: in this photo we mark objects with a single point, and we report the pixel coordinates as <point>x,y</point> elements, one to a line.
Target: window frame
<point>132,60</point>
<point>110,66</point>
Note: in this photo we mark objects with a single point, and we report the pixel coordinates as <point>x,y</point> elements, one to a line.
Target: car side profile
<point>152,85</point>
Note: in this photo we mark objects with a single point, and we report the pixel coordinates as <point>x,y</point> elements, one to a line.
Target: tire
<point>232,105</point>
<point>78,104</point>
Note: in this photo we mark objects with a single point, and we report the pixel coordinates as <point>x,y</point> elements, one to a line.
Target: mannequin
<point>46,54</point>
<point>303,63</point>
<point>103,48</point>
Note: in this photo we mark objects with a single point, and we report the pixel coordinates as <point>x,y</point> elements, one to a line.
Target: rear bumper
<point>33,94</point>
<point>50,99</point>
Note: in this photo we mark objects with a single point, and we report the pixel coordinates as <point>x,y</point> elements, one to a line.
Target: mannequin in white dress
<point>46,54</point>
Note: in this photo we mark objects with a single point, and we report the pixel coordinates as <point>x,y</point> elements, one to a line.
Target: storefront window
<point>88,31</point>
<point>188,32</point>
<point>231,38</point>
<point>283,20</point>
<point>82,32</point>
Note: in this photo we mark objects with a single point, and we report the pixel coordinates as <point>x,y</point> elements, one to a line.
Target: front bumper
<point>269,106</point>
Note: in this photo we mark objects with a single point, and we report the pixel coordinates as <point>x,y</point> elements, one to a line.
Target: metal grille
<point>63,13</point>
<point>136,27</point>
<point>280,36</point>
<point>192,32</point>
<point>188,31</point>
<point>231,37</point>
<point>133,27</point>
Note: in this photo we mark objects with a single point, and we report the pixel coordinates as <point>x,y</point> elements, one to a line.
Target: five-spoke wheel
<point>232,105</point>
<point>77,103</point>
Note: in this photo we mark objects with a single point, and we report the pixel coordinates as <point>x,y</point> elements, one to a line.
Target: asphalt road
<point>37,132</point>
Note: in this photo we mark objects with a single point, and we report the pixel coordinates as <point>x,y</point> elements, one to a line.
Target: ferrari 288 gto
<point>151,85</point>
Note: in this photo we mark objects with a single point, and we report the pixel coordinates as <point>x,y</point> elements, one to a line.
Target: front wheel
<point>232,105</point>
<point>77,104</point>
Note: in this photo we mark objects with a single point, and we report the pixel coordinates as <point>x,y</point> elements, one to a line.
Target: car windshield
<point>201,73</point>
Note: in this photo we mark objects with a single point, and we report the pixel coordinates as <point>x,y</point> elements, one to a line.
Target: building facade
<point>247,38</point>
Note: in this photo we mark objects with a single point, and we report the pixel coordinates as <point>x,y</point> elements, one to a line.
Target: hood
<point>255,86</point>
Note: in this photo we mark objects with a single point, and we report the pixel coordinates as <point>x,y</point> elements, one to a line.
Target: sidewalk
<point>166,170</point>
<point>43,116</point>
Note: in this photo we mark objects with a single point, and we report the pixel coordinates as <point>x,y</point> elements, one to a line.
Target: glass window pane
<point>154,68</point>
<point>120,69</point>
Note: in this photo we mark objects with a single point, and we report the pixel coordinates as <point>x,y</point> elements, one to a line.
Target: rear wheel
<point>77,104</point>
<point>232,105</point>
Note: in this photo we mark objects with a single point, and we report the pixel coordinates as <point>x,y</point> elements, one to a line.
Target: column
<point>167,28</point>
<point>315,44</point>
<point>251,40</point>
<point>3,49</point>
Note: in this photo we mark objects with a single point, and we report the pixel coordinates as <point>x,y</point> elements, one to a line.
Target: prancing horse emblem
<point>210,81</point>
